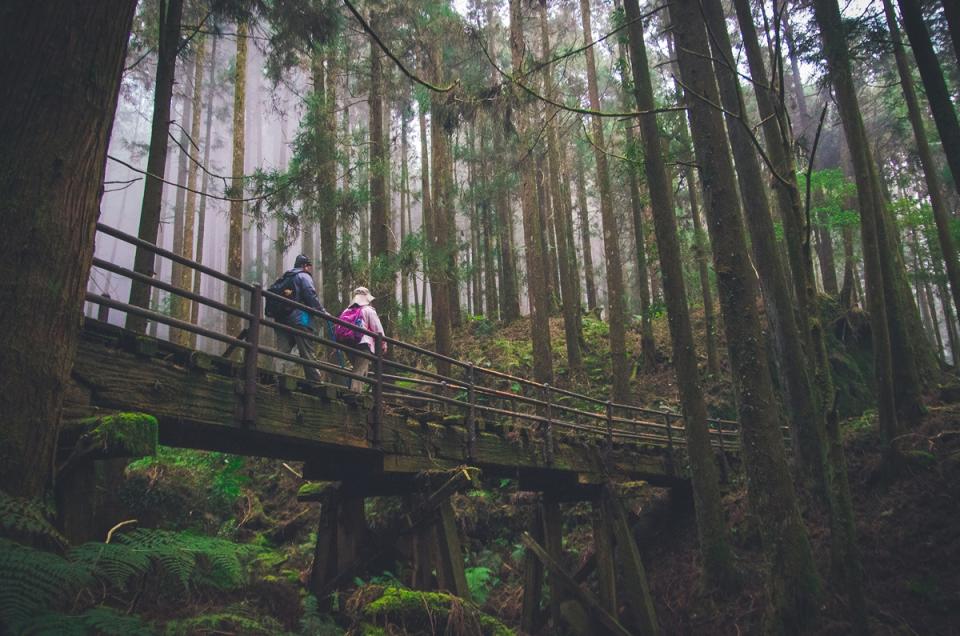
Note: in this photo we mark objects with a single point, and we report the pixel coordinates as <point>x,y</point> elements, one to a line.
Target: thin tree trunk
<point>178,305</point>
<point>849,270</point>
<point>582,211</point>
<point>429,264</point>
<point>144,261</point>
<point>711,526</point>
<point>404,205</point>
<point>570,296</point>
<point>235,245</point>
<point>828,267</point>
<point>383,280</point>
<point>616,315</point>
<point>328,189</point>
<point>441,276</point>
<point>532,232</point>
<point>202,208</point>
<point>793,585</point>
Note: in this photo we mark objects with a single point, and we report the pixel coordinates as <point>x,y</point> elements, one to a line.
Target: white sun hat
<point>361,296</point>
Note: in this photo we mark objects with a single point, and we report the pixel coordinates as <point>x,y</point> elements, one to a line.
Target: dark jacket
<point>304,292</point>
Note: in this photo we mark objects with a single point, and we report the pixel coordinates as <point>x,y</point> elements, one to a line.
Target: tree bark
<point>931,174</point>
<point>59,84</point>
<point>616,311</point>
<point>178,305</point>
<point>944,113</point>
<point>711,526</point>
<point>328,188</point>
<point>235,244</point>
<point>143,260</point>
<point>440,247</point>
<point>570,301</point>
<point>583,216</point>
<point>383,281</point>
<point>532,232</point>
<point>793,585</point>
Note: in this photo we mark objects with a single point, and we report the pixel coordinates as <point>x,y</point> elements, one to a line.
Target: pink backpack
<point>346,335</point>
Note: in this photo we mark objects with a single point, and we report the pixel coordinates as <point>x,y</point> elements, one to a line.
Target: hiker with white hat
<point>360,313</point>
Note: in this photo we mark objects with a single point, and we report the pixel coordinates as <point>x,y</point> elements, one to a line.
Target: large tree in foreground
<point>60,78</point>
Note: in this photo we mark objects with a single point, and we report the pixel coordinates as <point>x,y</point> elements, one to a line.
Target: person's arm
<point>308,292</point>
<point>373,322</point>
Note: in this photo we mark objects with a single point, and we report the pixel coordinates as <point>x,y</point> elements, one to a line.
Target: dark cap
<point>302,261</point>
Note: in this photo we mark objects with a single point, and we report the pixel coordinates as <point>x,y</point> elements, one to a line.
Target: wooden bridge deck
<point>198,402</point>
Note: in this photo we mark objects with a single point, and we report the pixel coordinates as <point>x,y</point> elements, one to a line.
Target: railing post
<point>724,464</point>
<point>471,413</point>
<point>609,427</point>
<point>250,357</point>
<point>103,312</point>
<point>548,425</point>
<point>377,392</point>
<point>670,462</point>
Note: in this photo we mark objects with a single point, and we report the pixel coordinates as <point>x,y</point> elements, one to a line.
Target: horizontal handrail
<point>550,401</point>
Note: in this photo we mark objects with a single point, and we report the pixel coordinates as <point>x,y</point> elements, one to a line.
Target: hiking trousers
<point>287,340</point>
<point>361,365</point>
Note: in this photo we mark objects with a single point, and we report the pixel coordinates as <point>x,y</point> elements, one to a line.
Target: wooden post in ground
<point>635,588</point>
<point>532,580</point>
<point>553,538</point>
<point>606,567</point>
<point>324,567</point>
<point>453,578</point>
<point>351,530</point>
<point>607,622</point>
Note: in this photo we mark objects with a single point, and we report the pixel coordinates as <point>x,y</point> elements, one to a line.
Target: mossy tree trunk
<point>60,80</point>
<point>792,584</point>
<point>235,240</point>
<point>711,525</point>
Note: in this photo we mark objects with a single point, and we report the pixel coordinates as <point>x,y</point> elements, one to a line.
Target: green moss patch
<point>126,434</point>
<point>429,612</point>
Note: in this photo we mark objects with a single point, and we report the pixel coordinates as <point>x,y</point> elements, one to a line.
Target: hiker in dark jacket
<point>305,293</point>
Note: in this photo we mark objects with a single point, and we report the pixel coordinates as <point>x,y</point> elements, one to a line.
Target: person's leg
<point>285,344</point>
<point>307,352</point>
<point>361,365</point>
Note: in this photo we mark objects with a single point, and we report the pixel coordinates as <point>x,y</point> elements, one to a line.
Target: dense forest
<point>736,219</point>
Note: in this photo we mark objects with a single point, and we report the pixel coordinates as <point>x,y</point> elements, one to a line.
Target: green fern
<point>33,581</point>
<point>26,520</point>
<point>97,620</point>
<point>115,563</point>
<point>229,622</point>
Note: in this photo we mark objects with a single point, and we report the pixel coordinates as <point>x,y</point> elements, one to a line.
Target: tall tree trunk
<point>190,217</point>
<point>532,232</point>
<point>583,216</point>
<point>807,417</point>
<point>328,184</point>
<point>383,281</point>
<point>202,207</point>
<point>701,250</point>
<point>547,237</point>
<point>487,236</point>
<point>711,527</point>
<point>616,314</point>
<point>570,241</point>
<point>944,113</point>
<point>793,585</point>
<point>59,84</point>
<point>827,15</point>
<point>931,174</point>
<point>178,306</point>
<point>235,245</point>
<point>951,10</point>
<point>451,236</point>
<point>426,208</point>
<point>440,245</point>
<point>143,260</point>
<point>404,204</point>
<point>648,348</point>
<point>569,291</point>
<point>849,269</point>
<point>828,268</point>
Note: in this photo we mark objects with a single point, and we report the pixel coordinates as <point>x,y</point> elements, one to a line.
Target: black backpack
<point>283,286</point>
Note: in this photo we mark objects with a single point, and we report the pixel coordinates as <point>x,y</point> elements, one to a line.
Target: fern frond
<point>226,621</point>
<point>32,581</point>
<point>26,520</point>
<point>97,620</point>
<point>115,563</point>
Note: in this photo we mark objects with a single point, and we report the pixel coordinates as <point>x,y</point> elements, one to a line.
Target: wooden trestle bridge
<point>417,432</point>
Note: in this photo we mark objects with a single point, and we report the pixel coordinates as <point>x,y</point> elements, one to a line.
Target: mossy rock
<point>428,612</point>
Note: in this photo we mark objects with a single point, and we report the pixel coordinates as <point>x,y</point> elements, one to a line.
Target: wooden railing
<point>473,391</point>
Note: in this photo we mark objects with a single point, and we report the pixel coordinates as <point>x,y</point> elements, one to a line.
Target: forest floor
<point>908,526</point>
